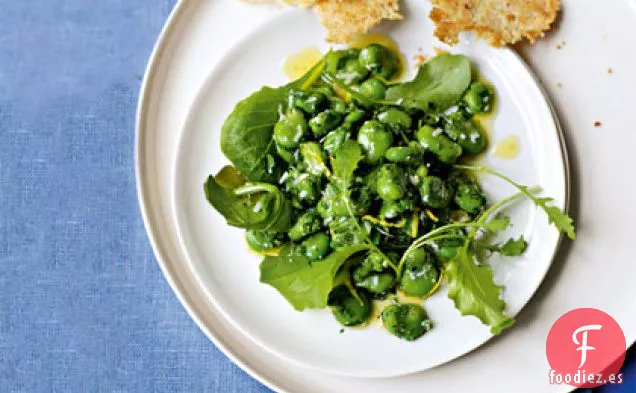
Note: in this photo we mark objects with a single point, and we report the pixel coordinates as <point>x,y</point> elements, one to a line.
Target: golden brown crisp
<point>500,22</point>
<point>344,19</point>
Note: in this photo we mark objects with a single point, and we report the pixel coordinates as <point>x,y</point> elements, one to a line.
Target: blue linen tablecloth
<point>83,304</point>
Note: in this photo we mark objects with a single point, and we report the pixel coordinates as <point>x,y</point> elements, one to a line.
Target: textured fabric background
<point>83,304</point>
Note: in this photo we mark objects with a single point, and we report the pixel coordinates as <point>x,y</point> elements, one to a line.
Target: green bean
<point>379,60</point>
<point>316,246</point>
<point>437,143</point>
<point>290,129</point>
<point>375,140</point>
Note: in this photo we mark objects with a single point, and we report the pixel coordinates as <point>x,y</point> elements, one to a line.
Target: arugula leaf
<point>303,283</point>
<point>511,248</point>
<point>258,206</point>
<point>345,161</point>
<point>562,221</point>
<point>474,292</point>
<point>497,224</point>
<point>246,134</point>
<point>559,219</point>
<point>439,84</point>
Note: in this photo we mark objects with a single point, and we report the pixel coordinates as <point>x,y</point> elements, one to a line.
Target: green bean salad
<point>355,187</point>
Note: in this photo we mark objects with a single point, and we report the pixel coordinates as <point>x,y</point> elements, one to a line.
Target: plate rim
<point>140,124</point>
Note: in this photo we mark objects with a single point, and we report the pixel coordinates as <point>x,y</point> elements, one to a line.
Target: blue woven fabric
<point>83,304</point>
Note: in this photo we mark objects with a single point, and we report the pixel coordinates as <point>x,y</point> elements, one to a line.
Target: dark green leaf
<point>439,84</point>
<point>246,135</point>
<point>258,206</point>
<point>303,283</point>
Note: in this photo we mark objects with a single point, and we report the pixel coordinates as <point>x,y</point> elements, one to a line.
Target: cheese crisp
<point>345,19</point>
<point>498,22</point>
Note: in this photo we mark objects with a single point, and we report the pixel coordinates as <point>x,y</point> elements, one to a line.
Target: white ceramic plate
<point>595,271</point>
<point>229,273</point>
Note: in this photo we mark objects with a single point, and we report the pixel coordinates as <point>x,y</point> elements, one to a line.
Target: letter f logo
<point>584,347</point>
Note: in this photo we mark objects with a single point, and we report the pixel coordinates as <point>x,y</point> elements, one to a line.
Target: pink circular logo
<point>585,348</point>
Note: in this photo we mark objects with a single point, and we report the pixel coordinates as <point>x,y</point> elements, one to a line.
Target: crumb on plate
<point>597,124</point>
<point>418,59</point>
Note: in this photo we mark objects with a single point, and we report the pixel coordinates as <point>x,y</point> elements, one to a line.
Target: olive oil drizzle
<point>297,64</point>
<point>507,149</point>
